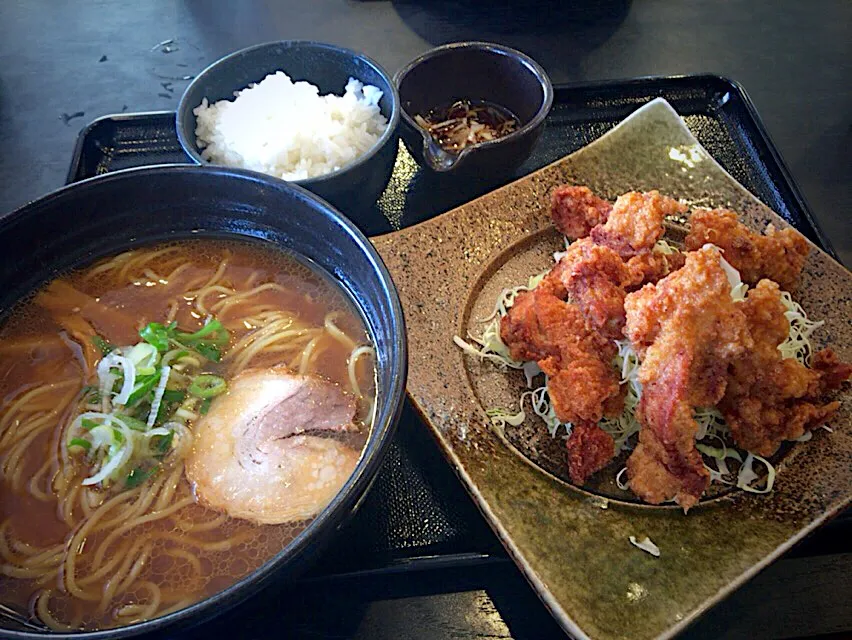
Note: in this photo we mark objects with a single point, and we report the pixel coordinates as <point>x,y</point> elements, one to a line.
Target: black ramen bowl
<point>474,71</point>
<point>354,187</point>
<point>102,216</point>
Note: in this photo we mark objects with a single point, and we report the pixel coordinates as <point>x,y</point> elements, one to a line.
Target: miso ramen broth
<point>114,380</point>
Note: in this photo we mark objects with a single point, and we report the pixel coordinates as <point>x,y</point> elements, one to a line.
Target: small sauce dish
<point>502,95</point>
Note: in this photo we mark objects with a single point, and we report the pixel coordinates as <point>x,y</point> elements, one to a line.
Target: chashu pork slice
<point>253,454</point>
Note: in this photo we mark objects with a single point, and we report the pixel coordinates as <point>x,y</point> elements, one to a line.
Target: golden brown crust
<point>635,223</point>
<point>770,399</point>
<point>688,328</point>
<point>576,210</point>
<point>590,449</point>
<point>778,255</point>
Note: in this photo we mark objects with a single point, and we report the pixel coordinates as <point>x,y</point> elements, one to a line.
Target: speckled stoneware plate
<point>572,543</point>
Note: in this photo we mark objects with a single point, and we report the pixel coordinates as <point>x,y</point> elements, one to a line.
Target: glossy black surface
<point>108,214</point>
<point>474,71</point>
<point>353,187</point>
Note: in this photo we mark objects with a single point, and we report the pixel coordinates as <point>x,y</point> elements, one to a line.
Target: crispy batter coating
<point>652,266</point>
<point>580,388</point>
<point>576,210</point>
<point>688,328</point>
<point>593,276</point>
<point>582,384</point>
<point>769,399</point>
<point>777,256</point>
<point>630,228</point>
<point>589,450</point>
<point>833,372</point>
<point>636,222</point>
<point>577,358</point>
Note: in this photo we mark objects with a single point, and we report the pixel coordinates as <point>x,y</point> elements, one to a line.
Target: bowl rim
<point>350,495</point>
<point>492,47</point>
<point>187,141</point>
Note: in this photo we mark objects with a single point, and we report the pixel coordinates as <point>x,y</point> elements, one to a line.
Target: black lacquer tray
<point>417,516</point>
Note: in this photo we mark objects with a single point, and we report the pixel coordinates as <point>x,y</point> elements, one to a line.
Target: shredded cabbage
<point>746,476</point>
<point>798,342</point>
<point>624,486</point>
<point>646,545</point>
<point>664,247</point>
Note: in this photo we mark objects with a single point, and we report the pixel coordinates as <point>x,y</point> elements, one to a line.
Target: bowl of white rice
<point>315,114</point>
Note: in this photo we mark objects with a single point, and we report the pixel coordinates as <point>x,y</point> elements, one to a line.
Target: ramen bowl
<point>138,207</point>
<point>353,187</point>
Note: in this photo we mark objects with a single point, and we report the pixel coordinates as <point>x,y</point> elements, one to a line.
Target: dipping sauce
<point>467,122</point>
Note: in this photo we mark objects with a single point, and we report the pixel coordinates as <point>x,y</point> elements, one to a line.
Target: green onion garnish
<point>133,423</point>
<point>205,406</point>
<point>88,424</point>
<point>173,395</point>
<point>209,351</point>
<point>157,335</point>
<point>164,443</point>
<point>144,384</point>
<point>104,346</point>
<point>138,476</point>
<point>207,385</point>
<point>80,442</point>
<point>219,335</point>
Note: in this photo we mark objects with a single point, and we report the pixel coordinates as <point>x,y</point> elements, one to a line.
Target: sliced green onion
<point>80,442</point>
<point>137,476</point>
<point>102,345</point>
<point>164,444</point>
<point>132,423</point>
<point>219,338</point>
<point>156,335</point>
<point>205,406</point>
<point>144,384</point>
<point>173,356</point>
<point>207,385</point>
<point>87,424</point>
<point>173,395</point>
<point>91,393</point>
<point>144,356</point>
<point>211,352</point>
<point>158,396</point>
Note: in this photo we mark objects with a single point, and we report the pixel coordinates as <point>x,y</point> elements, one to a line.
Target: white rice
<point>288,130</point>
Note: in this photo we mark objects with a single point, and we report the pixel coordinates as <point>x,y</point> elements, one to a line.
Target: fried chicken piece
<point>576,210</point>
<point>652,266</point>
<point>689,329</point>
<point>777,256</point>
<point>580,389</point>
<point>833,372</point>
<point>593,276</point>
<point>589,450</point>
<point>583,386</point>
<point>636,222</point>
<point>631,228</point>
<point>769,399</point>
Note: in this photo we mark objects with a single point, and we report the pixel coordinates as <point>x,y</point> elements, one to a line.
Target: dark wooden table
<point>64,63</point>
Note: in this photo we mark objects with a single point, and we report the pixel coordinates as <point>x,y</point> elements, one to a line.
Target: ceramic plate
<point>573,543</point>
